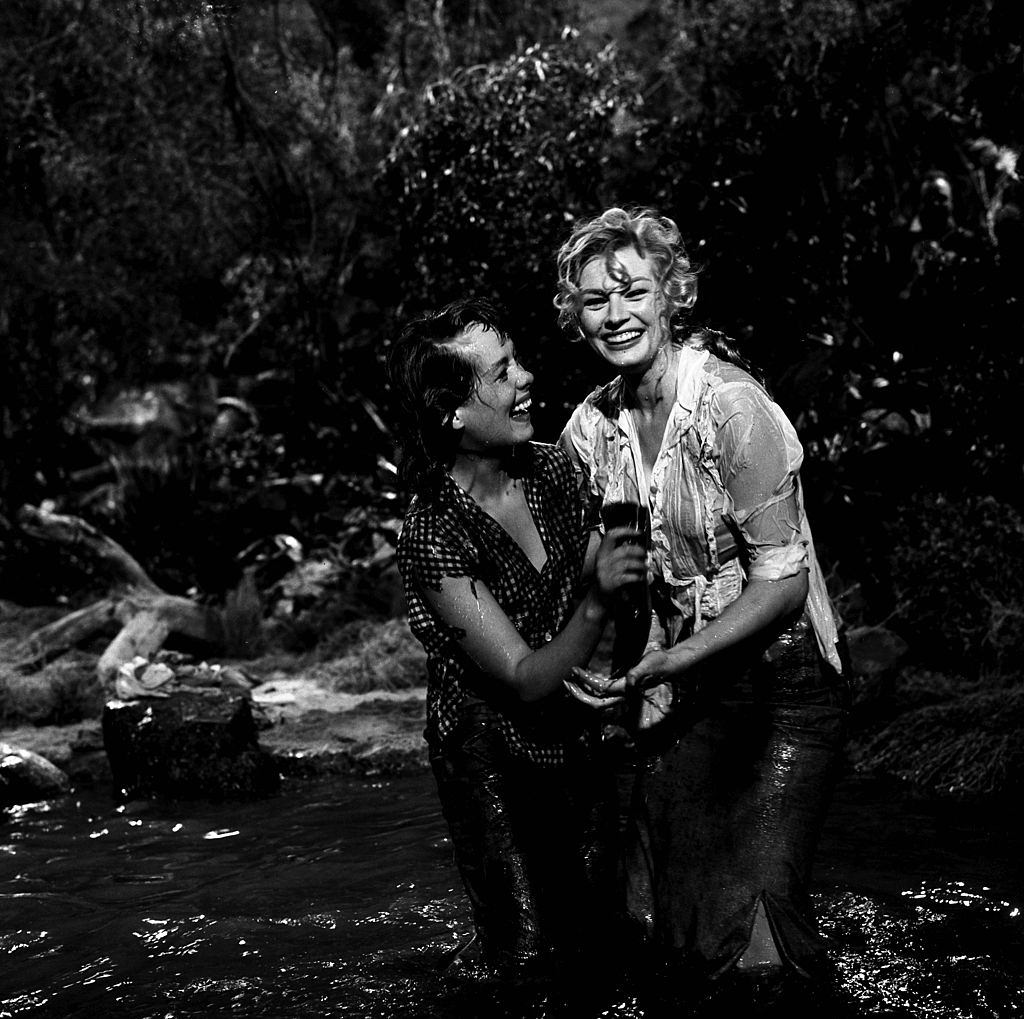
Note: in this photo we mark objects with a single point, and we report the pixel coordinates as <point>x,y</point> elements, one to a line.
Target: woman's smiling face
<point>622,315</point>
<point>498,412</point>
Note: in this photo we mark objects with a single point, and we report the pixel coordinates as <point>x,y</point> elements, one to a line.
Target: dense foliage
<point>223,209</point>
<point>486,181</point>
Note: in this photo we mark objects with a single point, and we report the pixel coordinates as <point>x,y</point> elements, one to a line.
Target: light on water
<point>340,899</point>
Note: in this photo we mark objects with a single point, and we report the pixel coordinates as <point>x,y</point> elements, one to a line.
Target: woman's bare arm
<point>499,650</point>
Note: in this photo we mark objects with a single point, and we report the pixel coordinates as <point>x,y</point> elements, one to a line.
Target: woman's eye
<point>594,303</point>
<point>636,295</point>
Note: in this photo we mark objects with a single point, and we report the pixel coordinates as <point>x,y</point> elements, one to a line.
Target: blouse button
<point>548,636</point>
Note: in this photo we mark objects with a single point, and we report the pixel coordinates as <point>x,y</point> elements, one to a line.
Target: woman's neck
<point>650,392</point>
<point>486,475</point>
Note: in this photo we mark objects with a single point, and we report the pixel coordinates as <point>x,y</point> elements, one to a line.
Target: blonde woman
<point>740,698</point>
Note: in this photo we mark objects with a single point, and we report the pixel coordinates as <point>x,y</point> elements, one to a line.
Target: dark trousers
<point>535,846</point>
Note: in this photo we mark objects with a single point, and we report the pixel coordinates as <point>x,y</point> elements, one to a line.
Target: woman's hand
<point>621,560</point>
<point>591,689</point>
<point>656,667</point>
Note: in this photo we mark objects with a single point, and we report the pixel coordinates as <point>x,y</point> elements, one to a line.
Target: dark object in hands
<point>632,612</point>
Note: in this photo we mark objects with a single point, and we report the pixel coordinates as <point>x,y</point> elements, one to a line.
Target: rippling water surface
<point>339,899</point>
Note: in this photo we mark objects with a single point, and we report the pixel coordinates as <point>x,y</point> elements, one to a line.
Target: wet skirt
<point>536,846</point>
<point>728,803</point>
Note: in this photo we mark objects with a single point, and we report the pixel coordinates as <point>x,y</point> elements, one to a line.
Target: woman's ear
<point>455,420</point>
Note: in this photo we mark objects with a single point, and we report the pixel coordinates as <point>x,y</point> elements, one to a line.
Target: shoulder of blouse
<point>434,542</point>
<point>725,374</point>
<point>544,453</point>
<point>550,459</point>
<point>735,391</point>
<point>742,403</point>
<point>598,409</point>
<point>429,516</point>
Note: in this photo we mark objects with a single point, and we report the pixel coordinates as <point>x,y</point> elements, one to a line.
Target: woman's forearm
<point>542,672</point>
<point>762,604</point>
<point>490,638</point>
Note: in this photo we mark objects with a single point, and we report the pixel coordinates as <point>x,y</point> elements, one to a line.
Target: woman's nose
<point>525,377</point>
<point>616,313</point>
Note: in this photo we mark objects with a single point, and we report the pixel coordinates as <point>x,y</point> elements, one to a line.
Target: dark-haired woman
<point>740,695</point>
<point>491,554</point>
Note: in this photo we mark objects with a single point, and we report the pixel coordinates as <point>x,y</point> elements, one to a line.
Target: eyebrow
<point>503,361</point>
<point>494,368</point>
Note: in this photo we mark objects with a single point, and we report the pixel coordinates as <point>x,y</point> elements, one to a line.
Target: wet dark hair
<point>431,380</point>
<point>651,236</point>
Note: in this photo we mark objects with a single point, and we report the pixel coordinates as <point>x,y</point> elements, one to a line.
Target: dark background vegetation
<point>213,215</point>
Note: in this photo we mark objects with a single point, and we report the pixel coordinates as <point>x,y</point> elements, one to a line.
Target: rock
<point>874,652</point>
<point>875,655</point>
<point>76,749</point>
<point>26,777</point>
<point>190,745</point>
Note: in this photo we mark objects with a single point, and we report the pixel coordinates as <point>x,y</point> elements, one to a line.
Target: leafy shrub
<point>954,568</point>
<point>488,176</point>
<point>968,747</point>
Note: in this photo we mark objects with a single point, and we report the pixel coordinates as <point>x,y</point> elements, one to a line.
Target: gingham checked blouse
<point>451,536</point>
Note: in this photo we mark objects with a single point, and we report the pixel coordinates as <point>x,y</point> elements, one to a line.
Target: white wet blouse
<point>727,475</point>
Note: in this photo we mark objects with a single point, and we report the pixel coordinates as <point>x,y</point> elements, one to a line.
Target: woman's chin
<point>522,429</point>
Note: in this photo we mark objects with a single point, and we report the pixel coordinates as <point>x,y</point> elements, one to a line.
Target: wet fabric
<point>451,536</point>
<point>536,848</point>
<point>736,765</point>
<point>729,462</point>
<point>729,800</point>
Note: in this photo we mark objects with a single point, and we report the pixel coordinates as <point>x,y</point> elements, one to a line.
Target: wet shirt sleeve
<point>759,458</point>
<point>432,549</point>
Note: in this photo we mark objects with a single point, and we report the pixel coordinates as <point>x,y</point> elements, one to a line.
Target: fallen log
<point>148,615</point>
<point>53,639</point>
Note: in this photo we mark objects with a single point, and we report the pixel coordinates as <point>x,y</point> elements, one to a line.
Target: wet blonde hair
<point>651,235</point>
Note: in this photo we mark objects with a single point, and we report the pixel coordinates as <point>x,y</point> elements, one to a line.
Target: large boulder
<point>27,777</point>
<point>189,745</point>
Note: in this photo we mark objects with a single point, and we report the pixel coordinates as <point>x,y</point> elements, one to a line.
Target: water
<point>339,899</point>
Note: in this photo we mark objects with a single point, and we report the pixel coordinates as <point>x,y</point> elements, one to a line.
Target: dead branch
<point>51,640</point>
<point>148,614</point>
<point>83,537</point>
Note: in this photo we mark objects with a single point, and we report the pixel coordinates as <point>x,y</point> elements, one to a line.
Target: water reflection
<point>340,899</point>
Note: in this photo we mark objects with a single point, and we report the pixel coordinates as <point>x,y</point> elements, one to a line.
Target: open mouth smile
<point>522,409</point>
<point>621,339</point>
